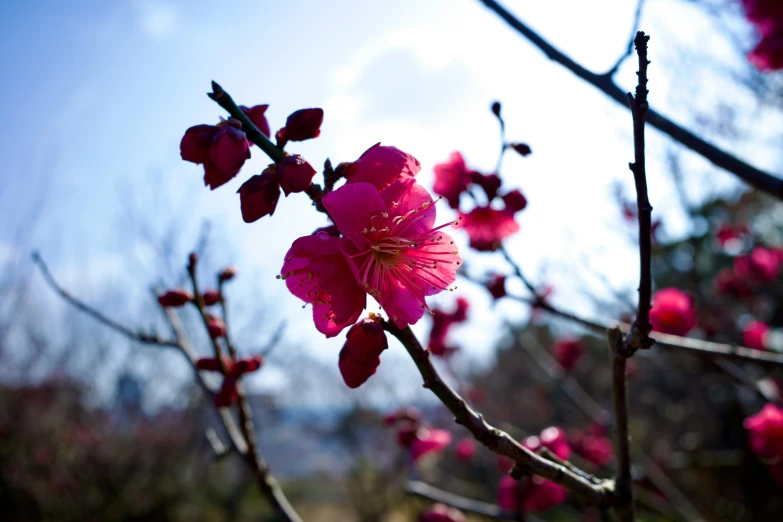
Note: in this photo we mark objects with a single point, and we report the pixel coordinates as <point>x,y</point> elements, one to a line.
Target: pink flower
<point>451,179</point>
<point>222,149</point>
<point>466,448</point>
<point>754,335</point>
<point>316,272</point>
<point>441,324</point>
<point>234,371</point>
<point>729,283</point>
<point>487,227</point>
<point>554,439</point>
<point>765,432</point>
<point>490,183</point>
<point>442,513</point>
<point>175,298</point>
<point>730,233</point>
<point>381,166</point>
<point>567,352</point>
<point>257,115</point>
<point>592,447</point>
<point>258,195</point>
<point>515,201</point>
<point>508,494</point>
<point>672,312</point>
<point>761,265</point>
<point>497,286</point>
<point>543,494</point>
<point>301,125</point>
<point>429,441</point>
<point>295,173</point>
<point>361,353</point>
<point>391,245</point>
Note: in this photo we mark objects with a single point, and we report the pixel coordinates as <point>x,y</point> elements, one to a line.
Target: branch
<point>485,509</point>
<point>266,482</point>
<point>624,484</point>
<point>99,316</point>
<point>675,342</point>
<point>639,337</point>
<point>637,17</point>
<point>498,441</point>
<point>751,175</point>
<point>224,99</point>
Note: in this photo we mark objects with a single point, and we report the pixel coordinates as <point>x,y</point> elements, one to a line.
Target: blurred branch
<point>266,482</point>
<point>99,316</point>
<point>696,346</point>
<point>755,177</point>
<point>274,341</point>
<point>624,483</point>
<point>485,509</point>
<point>498,441</point>
<point>637,17</point>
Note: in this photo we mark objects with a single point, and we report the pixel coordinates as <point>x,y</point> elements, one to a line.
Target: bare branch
<point>590,491</point>
<point>637,18</point>
<point>751,175</point>
<point>485,509</point>
<point>624,484</point>
<point>99,316</point>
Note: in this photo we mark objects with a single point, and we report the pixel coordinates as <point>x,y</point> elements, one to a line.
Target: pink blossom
<point>508,494</point>
<point>754,335</point>
<point>233,372</point>
<point>593,447</point>
<point>765,432</point>
<point>487,227</point>
<point>497,286</point>
<point>729,233</point>
<point>490,183</point>
<point>442,322</point>
<point>543,494</point>
<point>381,166</point>
<point>257,115</point>
<point>760,265</point>
<point>766,15</point>
<point>391,245</point>
<point>360,355</point>
<point>466,448</point>
<point>296,174</point>
<point>552,438</point>
<point>567,352</point>
<point>452,178</point>
<point>316,272</point>
<point>727,282</point>
<point>429,441</point>
<point>672,312</point>
<point>222,149</point>
<point>258,195</point>
<point>442,513</point>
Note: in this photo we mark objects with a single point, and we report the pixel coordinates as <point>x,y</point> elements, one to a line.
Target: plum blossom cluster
<point>222,150</point>
<point>592,444</point>
<point>489,223</point>
<point>765,435</point>
<point>767,18</point>
<point>232,372</point>
<point>567,352</point>
<point>442,322</point>
<point>415,435</point>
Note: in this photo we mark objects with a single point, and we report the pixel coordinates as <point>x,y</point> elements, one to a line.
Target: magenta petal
<point>407,198</point>
<point>382,165</point>
<point>229,150</point>
<point>352,207</point>
<point>194,146</point>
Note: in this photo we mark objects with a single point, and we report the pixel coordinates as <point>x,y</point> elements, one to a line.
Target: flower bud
<point>192,260</point>
<point>515,200</point>
<point>301,125</point>
<point>257,115</point>
<point>229,150</point>
<point>258,196</point>
<point>754,335</point>
<point>227,274</point>
<point>567,352</point>
<point>554,439</point>
<point>765,432</point>
<point>495,108</point>
<point>216,327</point>
<point>490,183</point>
<point>175,298</point>
<point>523,149</point>
<point>296,174</point>
<point>212,297</point>
<point>672,312</point>
<point>497,286</point>
<point>247,365</point>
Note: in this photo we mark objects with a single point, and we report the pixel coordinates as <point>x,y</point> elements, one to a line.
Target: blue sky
<point>96,96</point>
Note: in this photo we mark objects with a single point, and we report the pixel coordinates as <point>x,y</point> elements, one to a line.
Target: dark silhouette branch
<point>591,491</point>
<point>753,176</point>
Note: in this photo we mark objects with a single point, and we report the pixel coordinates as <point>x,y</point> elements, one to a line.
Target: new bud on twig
<point>495,107</point>
<point>227,274</point>
<point>175,298</point>
<point>212,297</point>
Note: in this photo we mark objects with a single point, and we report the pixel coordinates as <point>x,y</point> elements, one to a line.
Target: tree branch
<point>500,442</point>
<point>624,484</point>
<point>637,17</point>
<point>99,316</point>
<point>485,509</point>
<point>757,178</point>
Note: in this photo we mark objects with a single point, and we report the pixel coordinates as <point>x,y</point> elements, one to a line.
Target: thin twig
<point>266,482</point>
<point>497,440</point>
<point>755,177</point>
<point>675,342</point>
<point>99,316</point>
<point>469,505</point>
<point>637,17</point>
